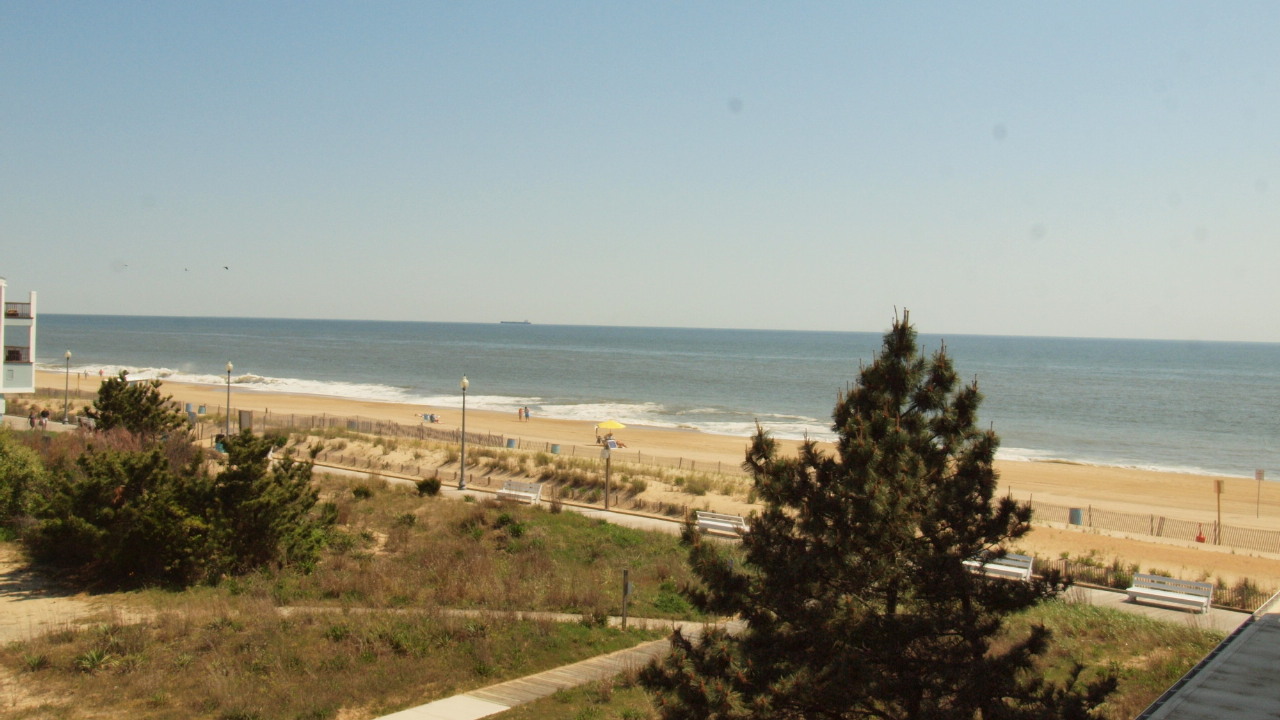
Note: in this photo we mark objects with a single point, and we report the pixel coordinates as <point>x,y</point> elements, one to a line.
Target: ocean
<point>1198,407</point>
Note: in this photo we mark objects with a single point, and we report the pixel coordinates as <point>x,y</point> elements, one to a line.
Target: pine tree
<point>135,406</point>
<point>852,585</point>
<point>266,507</point>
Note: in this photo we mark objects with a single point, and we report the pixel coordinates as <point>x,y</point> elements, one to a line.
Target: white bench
<point>1012,566</point>
<point>521,491</point>
<point>1161,589</point>
<point>721,524</point>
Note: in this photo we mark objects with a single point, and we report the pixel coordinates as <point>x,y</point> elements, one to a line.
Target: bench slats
<point>720,523</point>
<point>1158,588</point>
<point>521,491</point>
<point>1012,565</point>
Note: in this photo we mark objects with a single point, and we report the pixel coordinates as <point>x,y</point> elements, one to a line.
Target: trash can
<point>188,407</point>
<point>1075,516</point>
<point>555,449</point>
<point>511,442</point>
<point>202,410</point>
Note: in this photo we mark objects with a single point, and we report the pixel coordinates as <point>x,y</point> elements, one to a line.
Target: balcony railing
<point>17,354</point>
<point>17,310</point>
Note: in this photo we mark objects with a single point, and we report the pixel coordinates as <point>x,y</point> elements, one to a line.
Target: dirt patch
<point>31,605</point>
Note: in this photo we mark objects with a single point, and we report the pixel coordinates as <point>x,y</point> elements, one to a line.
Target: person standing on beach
<point>520,414</point>
<point>526,413</point>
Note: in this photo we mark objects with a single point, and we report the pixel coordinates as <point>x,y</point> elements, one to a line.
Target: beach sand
<point>1244,502</point>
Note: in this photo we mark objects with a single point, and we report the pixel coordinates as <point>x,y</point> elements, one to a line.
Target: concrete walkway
<point>505,695</point>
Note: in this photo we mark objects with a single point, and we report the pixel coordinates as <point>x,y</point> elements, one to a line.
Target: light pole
<point>66,391</point>
<point>462,467</point>
<point>608,466</point>
<point>228,430</point>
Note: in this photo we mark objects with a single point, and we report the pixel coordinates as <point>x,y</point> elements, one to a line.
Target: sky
<point>1007,168</point>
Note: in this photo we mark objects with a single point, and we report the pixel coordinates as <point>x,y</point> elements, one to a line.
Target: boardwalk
<point>503,696</point>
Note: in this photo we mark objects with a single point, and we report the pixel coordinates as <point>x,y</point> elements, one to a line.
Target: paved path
<point>503,696</point>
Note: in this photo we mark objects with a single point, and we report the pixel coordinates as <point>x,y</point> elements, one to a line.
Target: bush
<point>136,517</point>
<point>429,487</point>
<point>696,485</point>
<point>23,478</point>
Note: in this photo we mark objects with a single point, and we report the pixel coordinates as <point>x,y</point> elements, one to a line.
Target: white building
<point>18,330</point>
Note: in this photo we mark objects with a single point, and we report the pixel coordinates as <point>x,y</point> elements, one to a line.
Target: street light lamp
<point>462,467</point>
<point>66,391</point>
<point>228,430</point>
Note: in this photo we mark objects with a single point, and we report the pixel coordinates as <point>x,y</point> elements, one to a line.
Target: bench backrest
<point>1160,582</point>
<point>1010,560</point>
<point>720,517</point>
<point>522,487</point>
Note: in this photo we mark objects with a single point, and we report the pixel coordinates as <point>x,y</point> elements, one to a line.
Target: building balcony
<point>19,372</point>
<point>17,310</point>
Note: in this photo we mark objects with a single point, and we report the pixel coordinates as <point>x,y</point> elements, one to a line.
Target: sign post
<point>626,595</point>
<point>1217,529</point>
<point>609,446</point>
<point>1257,475</point>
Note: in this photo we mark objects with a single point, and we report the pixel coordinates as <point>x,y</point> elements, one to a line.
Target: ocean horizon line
<point>589,326</point>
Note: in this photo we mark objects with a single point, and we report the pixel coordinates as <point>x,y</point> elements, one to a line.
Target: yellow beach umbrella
<point>611,425</point>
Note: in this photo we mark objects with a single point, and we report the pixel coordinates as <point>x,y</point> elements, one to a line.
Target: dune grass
<point>369,631</point>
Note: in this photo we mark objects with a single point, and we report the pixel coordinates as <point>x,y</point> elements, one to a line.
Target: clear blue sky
<point>1075,169</point>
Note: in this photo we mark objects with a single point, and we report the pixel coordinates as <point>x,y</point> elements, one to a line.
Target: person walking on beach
<point>520,414</point>
<point>44,419</point>
<point>31,418</point>
<point>526,413</point>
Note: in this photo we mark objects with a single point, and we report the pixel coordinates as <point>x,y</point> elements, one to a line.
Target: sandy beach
<point>1244,502</point>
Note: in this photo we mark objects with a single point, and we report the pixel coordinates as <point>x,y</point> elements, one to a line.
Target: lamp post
<point>66,391</point>
<point>228,430</point>
<point>608,467</point>
<point>462,467</point>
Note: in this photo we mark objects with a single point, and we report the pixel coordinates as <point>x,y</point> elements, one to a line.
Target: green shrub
<point>697,485</point>
<point>429,487</point>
